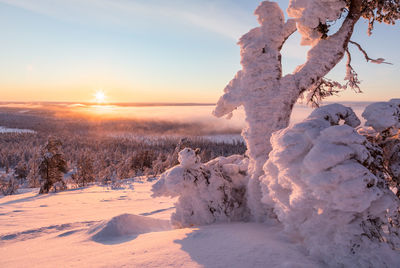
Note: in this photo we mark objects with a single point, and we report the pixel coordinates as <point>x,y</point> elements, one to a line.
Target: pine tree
<point>21,171</point>
<point>33,174</point>
<point>52,165</point>
<point>85,171</point>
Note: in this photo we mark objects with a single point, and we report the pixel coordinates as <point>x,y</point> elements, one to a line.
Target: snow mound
<point>318,180</point>
<point>209,192</point>
<point>126,226</point>
<point>383,115</point>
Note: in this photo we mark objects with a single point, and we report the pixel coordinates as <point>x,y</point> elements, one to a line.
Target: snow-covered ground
<point>100,227</point>
<point>15,130</point>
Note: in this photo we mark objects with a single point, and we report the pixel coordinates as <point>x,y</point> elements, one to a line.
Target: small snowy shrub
<point>319,182</point>
<point>209,192</point>
<point>8,184</point>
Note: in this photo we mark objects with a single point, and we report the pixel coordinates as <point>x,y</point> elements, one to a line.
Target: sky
<point>153,51</point>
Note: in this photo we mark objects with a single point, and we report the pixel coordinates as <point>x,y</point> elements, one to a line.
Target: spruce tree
<point>52,165</point>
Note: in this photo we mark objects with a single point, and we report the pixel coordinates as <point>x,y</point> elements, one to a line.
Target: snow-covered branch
<point>326,53</point>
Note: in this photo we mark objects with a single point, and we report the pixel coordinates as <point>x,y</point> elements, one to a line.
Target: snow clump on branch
<point>209,192</point>
<point>319,182</point>
<point>312,15</point>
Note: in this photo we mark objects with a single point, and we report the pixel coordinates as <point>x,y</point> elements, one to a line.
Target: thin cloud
<point>231,23</point>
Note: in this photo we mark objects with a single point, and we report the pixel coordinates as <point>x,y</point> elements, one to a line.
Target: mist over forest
<point>111,141</point>
<point>117,141</point>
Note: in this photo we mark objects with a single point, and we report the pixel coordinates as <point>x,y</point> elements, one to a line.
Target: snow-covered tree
<point>8,184</point>
<point>267,96</point>
<point>384,119</point>
<point>52,165</point>
<point>33,174</point>
<point>208,193</point>
<point>21,171</point>
<point>85,171</point>
<point>322,182</point>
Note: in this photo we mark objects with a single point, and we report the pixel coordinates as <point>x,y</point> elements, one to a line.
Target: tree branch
<point>333,49</point>
<point>323,88</point>
<point>288,29</point>
<point>351,75</point>
<point>377,61</point>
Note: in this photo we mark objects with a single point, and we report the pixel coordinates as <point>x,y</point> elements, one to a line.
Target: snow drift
<point>125,226</point>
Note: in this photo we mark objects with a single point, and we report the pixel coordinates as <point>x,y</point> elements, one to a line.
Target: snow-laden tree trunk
<point>261,123</point>
<point>267,97</point>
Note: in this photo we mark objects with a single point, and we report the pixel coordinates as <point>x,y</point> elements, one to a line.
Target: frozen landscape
<point>100,227</point>
<point>288,181</point>
<point>166,221</point>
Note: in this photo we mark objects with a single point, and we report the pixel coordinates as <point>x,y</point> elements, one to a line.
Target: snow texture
<point>382,116</point>
<point>318,181</point>
<point>257,88</point>
<point>267,96</point>
<point>384,119</point>
<point>125,225</point>
<point>53,231</point>
<point>208,193</point>
<point>310,13</point>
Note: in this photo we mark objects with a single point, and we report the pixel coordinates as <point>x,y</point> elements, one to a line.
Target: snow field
<point>98,227</point>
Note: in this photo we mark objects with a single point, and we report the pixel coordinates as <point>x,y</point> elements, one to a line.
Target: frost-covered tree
<point>208,193</point>
<point>33,174</point>
<point>85,171</point>
<point>267,96</point>
<point>52,165</point>
<point>384,119</point>
<point>21,171</point>
<point>321,179</point>
<point>8,184</point>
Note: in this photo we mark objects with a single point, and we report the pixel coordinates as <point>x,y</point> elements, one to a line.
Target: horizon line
<point>147,104</point>
<point>138,104</point>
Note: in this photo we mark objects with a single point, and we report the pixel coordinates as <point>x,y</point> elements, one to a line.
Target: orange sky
<point>179,52</point>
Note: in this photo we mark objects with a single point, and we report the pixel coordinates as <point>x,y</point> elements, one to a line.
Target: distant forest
<point>108,150</point>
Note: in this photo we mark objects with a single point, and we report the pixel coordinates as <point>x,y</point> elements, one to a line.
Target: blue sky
<point>151,50</point>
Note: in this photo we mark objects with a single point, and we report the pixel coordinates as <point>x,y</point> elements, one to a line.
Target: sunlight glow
<point>100,97</point>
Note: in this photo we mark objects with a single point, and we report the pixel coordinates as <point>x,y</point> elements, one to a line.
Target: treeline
<point>96,149</point>
<point>105,158</point>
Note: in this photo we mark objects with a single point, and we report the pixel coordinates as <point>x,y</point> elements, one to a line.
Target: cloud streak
<point>230,22</point>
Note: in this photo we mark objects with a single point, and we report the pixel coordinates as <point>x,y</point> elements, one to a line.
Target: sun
<point>99,96</point>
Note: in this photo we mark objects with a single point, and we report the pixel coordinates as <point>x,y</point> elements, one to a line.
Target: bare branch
<point>323,88</point>
<point>377,61</point>
<point>351,75</point>
<point>326,87</point>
